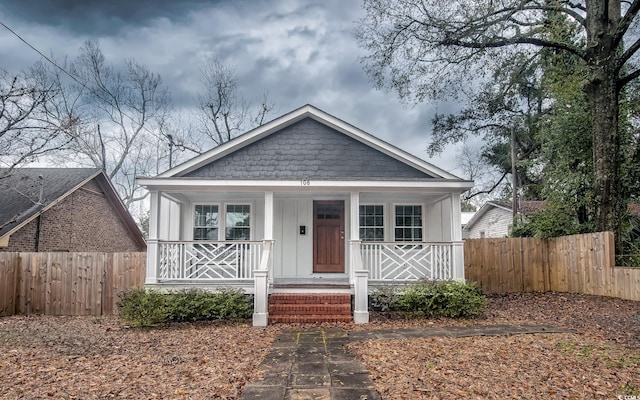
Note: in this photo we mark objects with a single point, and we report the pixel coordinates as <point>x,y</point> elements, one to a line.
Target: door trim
<point>336,236</point>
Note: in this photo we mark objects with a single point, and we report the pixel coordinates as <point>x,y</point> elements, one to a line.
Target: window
<point>238,222</point>
<point>408,226</point>
<point>205,222</point>
<point>371,223</point>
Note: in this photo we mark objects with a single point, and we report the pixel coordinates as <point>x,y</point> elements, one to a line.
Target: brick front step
<point>309,308</point>
<point>314,298</point>
<point>308,319</point>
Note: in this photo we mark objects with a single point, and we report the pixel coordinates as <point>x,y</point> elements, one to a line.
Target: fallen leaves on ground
<point>91,358</point>
<point>561,366</point>
<point>601,360</point>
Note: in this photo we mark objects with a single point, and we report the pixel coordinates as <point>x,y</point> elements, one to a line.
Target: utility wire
<point>99,95</point>
<point>48,59</point>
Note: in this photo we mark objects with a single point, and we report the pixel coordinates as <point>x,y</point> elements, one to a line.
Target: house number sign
<point>305,182</point>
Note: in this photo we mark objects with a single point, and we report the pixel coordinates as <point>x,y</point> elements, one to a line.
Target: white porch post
<point>268,216</point>
<point>361,285</point>
<point>268,222</point>
<point>359,273</point>
<point>456,238</point>
<point>260,298</point>
<point>152,242</point>
<point>264,272</point>
<point>354,232</point>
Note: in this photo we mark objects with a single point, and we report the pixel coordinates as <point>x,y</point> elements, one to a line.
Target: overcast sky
<point>300,51</point>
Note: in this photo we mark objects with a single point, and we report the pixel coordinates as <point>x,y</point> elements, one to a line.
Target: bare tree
<point>488,180</point>
<point>123,110</point>
<point>31,122</point>
<point>222,110</point>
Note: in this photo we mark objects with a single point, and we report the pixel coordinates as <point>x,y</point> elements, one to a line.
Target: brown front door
<point>328,236</point>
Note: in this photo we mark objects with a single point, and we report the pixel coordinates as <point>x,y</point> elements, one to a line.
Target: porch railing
<point>402,261</point>
<point>204,260</point>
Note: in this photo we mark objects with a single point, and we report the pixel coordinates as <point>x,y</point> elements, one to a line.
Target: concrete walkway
<point>313,364</point>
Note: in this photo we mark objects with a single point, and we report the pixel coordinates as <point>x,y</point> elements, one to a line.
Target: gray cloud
<point>300,51</point>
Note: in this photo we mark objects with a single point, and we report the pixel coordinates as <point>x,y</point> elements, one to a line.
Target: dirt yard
<point>91,358</point>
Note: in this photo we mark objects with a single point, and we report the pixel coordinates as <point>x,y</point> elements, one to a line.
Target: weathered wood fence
<point>573,264</point>
<point>67,283</point>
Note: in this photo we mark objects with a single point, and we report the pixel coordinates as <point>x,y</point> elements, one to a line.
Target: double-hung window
<point>238,222</point>
<point>408,223</point>
<point>222,222</point>
<point>205,222</point>
<point>372,223</point>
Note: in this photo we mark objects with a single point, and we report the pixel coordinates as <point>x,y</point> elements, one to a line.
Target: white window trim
<point>385,219</point>
<point>223,232</point>
<point>193,213</point>
<point>393,219</point>
<point>222,217</point>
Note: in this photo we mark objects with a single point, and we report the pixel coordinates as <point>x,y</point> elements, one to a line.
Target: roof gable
<point>288,164</point>
<point>312,150</point>
<point>489,205</point>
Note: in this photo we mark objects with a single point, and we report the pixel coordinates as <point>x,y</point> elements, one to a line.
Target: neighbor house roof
<point>26,193</point>
<point>293,117</point>
<point>526,207</point>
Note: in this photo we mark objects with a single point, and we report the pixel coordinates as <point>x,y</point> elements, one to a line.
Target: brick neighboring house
<point>64,209</point>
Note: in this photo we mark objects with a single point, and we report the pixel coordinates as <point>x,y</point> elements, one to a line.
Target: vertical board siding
<point>67,283</point>
<point>573,264</point>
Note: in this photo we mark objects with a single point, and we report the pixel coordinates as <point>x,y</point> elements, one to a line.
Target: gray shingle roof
<point>20,191</point>
<point>308,149</point>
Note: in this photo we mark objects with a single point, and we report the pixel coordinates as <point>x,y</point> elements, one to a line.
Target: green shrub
<point>384,299</point>
<point>139,307</point>
<point>443,299</point>
<point>198,305</point>
<point>188,306</point>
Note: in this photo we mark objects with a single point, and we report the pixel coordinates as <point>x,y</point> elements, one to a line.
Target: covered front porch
<point>307,238</point>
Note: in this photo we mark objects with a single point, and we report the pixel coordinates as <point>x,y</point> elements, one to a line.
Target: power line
<point>99,95</point>
<point>46,58</point>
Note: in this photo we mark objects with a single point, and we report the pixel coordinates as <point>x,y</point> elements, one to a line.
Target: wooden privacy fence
<point>67,283</point>
<point>574,264</point>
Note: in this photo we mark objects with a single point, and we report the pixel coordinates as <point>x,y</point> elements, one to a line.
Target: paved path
<point>313,364</point>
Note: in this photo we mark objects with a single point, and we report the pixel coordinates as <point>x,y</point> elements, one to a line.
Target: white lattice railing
<point>200,260</point>
<point>407,261</point>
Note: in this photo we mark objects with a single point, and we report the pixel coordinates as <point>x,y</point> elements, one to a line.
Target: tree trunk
<point>603,94</point>
<point>603,101</point>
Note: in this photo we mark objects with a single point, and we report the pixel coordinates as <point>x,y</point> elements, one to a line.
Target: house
<point>465,217</point>
<point>64,209</point>
<point>306,203</point>
<point>495,219</point>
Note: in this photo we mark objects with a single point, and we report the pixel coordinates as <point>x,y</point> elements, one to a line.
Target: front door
<point>328,236</point>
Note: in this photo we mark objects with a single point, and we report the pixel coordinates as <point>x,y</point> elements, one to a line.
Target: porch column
<point>354,232</point>
<point>456,238</point>
<point>152,243</point>
<point>359,272</point>
<point>268,223</point>
<point>261,298</point>
<point>268,216</point>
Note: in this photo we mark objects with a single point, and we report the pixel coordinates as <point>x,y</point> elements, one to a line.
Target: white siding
<point>496,222</point>
<point>293,256</point>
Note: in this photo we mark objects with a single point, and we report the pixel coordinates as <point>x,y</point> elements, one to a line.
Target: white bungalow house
<point>305,203</point>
